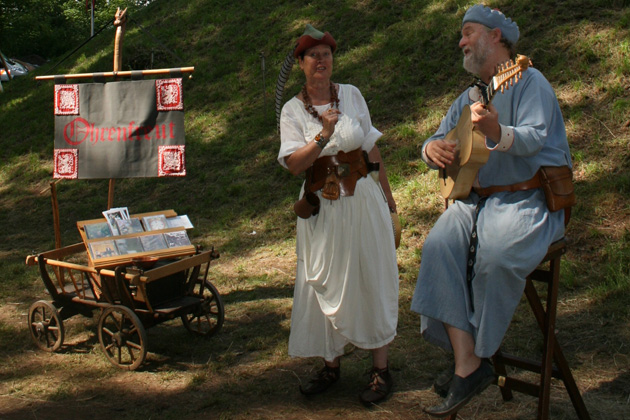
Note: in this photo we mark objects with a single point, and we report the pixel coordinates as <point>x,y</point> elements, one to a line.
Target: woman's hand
<point>375,156</point>
<point>300,160</point>
<point>329,121</point>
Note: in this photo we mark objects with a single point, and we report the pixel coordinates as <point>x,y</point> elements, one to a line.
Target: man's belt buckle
<point>343,169</point>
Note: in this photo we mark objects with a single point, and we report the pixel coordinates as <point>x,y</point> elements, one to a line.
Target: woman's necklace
<point>309,106</point>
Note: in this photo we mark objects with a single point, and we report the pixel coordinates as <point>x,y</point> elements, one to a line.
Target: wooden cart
<point>131,297</point>
<point>132,292</point>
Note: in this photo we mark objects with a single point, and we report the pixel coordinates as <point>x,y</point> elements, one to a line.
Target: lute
<point>471,152</point>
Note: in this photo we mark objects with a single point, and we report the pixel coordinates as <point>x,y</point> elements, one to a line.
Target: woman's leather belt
<point>530,184</point>
<point>338,175</point>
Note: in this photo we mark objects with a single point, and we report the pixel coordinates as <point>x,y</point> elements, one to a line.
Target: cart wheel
<point>46,326</point>
<point>122,336</point>
<point>207,318</point>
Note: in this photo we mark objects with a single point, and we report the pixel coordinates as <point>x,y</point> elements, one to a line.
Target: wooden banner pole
<point>59,273</point>
<point>55,209</point>
<point>126,73</point>
<point>119,22</point>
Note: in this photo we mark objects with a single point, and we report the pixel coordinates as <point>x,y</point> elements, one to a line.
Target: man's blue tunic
<point>515,228</point>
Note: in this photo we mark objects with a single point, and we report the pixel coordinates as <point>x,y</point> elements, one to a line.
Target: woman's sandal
<point>379,387</point>
<point>322,381</point>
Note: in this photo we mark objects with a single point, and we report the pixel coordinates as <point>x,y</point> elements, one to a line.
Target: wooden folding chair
<point>552,352</point>
<point>546,318</point>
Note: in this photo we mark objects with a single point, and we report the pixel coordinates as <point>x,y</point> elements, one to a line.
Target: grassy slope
<point>403,56</point>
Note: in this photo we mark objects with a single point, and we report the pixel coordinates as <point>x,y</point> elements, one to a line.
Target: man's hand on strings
<point>485,118</point>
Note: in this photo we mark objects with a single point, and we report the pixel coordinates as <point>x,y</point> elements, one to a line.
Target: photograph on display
<point>153,242</point>
<point>175,239</point>
<point>97,230</point>
<point>128,226</point>
<point>103,249</point>
<point>129,246</point>
<point>114,214</point>
<point>179,221</point>
<point>157,222</point>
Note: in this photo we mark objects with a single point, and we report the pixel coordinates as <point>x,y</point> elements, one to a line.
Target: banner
<point>121,129</point>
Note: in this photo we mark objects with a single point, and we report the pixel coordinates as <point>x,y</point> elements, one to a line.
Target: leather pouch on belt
<point>330,190</point>
<point>307,206</point>
<point>557,183</point>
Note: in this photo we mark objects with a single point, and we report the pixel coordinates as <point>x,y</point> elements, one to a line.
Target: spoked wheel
<point>46,326</point>
<point>207,319</point>
<point>122,336</point>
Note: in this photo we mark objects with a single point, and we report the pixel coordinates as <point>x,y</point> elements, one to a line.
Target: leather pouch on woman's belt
<point>331,189</point>
<point>557,183</point>
<point>307,206</point>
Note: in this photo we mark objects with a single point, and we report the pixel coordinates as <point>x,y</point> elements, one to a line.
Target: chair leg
<point>552,352</point>
<point>501,372</point>
<point>549,339</point>
<point>552,349</point>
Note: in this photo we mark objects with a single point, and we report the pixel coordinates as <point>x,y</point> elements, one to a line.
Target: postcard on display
<point>129,246</point>
<point>97,230</point>
<point>103,249</point>
<point>157,222</point>
<point>179,221</point>
<point>153,242</point>
<point>127,226</point>
<point>114,214</point>
<point>175,239</point>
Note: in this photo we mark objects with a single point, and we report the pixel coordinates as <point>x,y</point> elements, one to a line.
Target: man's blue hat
<point>493,18</point>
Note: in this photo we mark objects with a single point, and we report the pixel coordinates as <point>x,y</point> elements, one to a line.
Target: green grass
<point>403,56</point>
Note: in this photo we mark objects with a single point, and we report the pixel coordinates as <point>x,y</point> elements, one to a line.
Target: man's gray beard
<point>473,63</point>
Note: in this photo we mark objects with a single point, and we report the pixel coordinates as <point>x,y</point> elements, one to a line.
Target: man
<point>476,257</point>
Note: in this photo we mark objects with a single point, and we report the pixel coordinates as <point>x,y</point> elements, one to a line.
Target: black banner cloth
<point>125,129</point>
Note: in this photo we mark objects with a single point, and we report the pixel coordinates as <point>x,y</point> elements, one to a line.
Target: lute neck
<point>487,91</point>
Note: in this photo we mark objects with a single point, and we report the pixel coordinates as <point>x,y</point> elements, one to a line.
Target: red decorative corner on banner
<point>169,94</point>
<point>66,163</point>
<point>66,99</point>
<point>171,161</point>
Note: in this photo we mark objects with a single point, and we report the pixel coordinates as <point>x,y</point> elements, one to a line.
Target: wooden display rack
<point>129,259</point>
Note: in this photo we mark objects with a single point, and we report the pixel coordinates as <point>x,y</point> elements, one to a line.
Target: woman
<point>346,288</point>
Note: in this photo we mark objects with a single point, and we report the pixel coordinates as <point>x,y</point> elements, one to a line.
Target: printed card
<point>153,242</point>
<point>179,221</point>
<point>97,230</point>
<point>128,226</point>
<point>178,238</point>
<point>103,249</point>
<point>129,246</point>
<point>155,222</point>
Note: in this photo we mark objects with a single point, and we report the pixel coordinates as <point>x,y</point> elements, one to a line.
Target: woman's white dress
<point>346,287</point>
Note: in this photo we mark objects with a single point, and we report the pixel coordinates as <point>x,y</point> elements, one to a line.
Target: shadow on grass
<point>258,293</point>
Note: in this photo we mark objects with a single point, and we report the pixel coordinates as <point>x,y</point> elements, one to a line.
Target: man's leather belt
<point>530,184</point>
<point>337,175</point>
<point>555,181</point>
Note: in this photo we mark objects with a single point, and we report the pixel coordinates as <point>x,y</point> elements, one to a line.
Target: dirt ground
<point>244,373</point>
